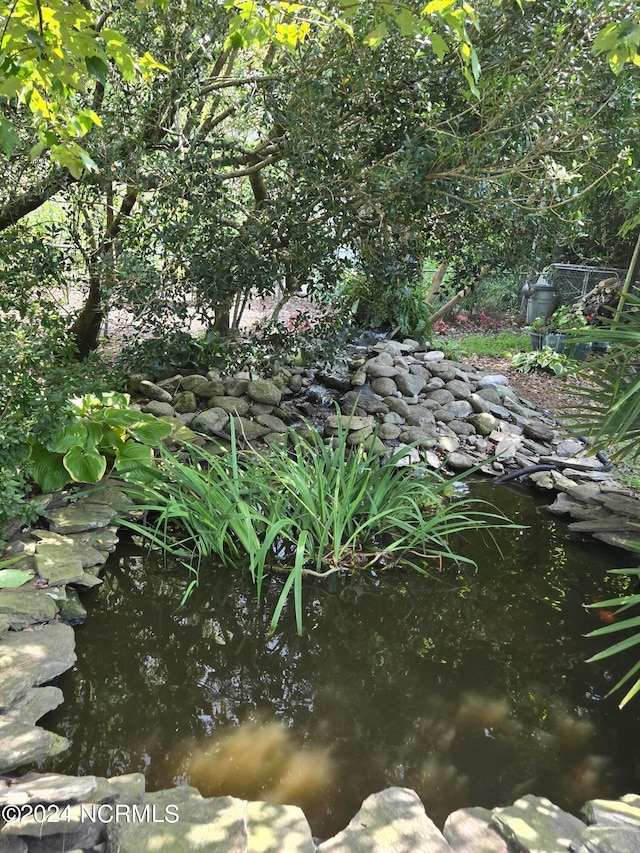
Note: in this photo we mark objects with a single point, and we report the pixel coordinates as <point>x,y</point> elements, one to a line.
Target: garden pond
<point>471,687</point>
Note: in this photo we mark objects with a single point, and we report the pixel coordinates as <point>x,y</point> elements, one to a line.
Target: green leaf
<point>48,470</point>
<point>13,577</point>
<point>85,466</point>
<point>8,136</point>
<point>438,45</point>
<point>73,435</point>
<point>150,431</point>
<point>97,68</point>
<point>131,455</point>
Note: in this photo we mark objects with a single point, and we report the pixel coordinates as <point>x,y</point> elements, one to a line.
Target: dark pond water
<point>471,688</point>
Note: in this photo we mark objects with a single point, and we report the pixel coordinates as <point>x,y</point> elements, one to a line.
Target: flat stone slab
<point>76,518</point>
<point>392,821</point>
<point>612,813</point>
<point>14,684</point>
<point>89,555</point>
<point>607,839</point>
<point>536,825</point>
<point>128,788</point>
<point>469,831</point>
<point>58,564</point>
<point>22,609</point>
<point>42,654</point>
<point>102,540</point>
<point>214,825</point>
<point>48,788</point>
<point>36,702</point>
<point>21,743</point>
<point>273,829</point>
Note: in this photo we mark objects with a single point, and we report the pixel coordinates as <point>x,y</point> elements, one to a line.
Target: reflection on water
<point>470,688</point>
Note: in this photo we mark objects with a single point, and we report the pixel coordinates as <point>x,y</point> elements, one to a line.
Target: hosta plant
<point>545,359</point>
<point>101,431</point>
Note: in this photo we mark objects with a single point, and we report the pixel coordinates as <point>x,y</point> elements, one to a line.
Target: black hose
<point>607,465</point>
<point>522,472</point>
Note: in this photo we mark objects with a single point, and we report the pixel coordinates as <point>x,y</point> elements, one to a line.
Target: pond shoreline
<point>37,647</point>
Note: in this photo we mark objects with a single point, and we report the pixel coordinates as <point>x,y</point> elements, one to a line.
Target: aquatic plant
<point>307,508</point>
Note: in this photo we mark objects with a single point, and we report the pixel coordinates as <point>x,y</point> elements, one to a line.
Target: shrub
<point>39,375</point>
<point>545,359</point>
<point>306,508</point>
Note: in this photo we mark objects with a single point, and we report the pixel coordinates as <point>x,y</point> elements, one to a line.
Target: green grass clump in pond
<point>308,508</point>
<point>500,344</point>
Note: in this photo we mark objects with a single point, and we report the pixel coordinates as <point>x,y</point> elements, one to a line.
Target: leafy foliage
<point>545,359</point>
<point>306,508</point>
<point>622,604</point>
<point>100,428</point>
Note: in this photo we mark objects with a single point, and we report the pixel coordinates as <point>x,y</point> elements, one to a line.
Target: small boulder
<point>484,422</point>
<point>153,391</point>
<point>264,391</point>
<point>160,410</point>
<point>410,384</point>
<point>211,421</point>
<point>185,402</point>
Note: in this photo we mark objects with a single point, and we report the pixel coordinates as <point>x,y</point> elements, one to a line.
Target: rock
<point>359,378</point>
<point>424,436</point>
<point>405,456</point>
<point>398,406</point>
<point>420,416</point>
<point>171,383</point>
<point>458,408</point>
<point>194,383</point>
<point>434,384</point>
<point>507,446</point>
<point>58,564</point>
<point>492,379</point>
<point>442,416</point>
<point>13,686</point>
<point>71,610</point>
<point>441,397</point>
<point>393,418</point>
<point>538,431</point>
<point>358,436</point>
<point>569,447</point>
<point>460,390</point>
<point>128,788</point>
<point>41,654</point>
<point>372,444</point>
<point>89,556</point>
<point>433,356</point>
<point>536,825</point>
<point>460,461</point>
<point>272,423</point>
<point>445,370</point>
<point>159,410</point>
<point>340,421</point>
<point>231,405</point>
<point>256,409</point>
<point>500,412</point>
<point>409,384</point>
<point>380,371</point>
<point>22,609</point>
<point>468,831</point>
<point>264,391</point>
<point>612,813</point>
<point>607,839</point>
<point>295,383</point>
<point>368,402</point>
<point>214,825</point>
<point>619,504</point>
<point>210,388</point>
<point>447,444</point>
<point>238,387</point>
<point>185,402</point>
<point>49,788</point>
<point>388,431</point>
<point>80,516</point>
<point>484,422</point>
<point>153,391</point>
<point>35,703</point>
<point>462,427</point>
<point>104,540</point>
<point>277,829</point>
<point>392,821</point>
<point>490,394</point>
<point>21,743</point>
<point>562,505</point>
<point>384,387</point>
<point>247,430</point>
<point>211,421</point>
